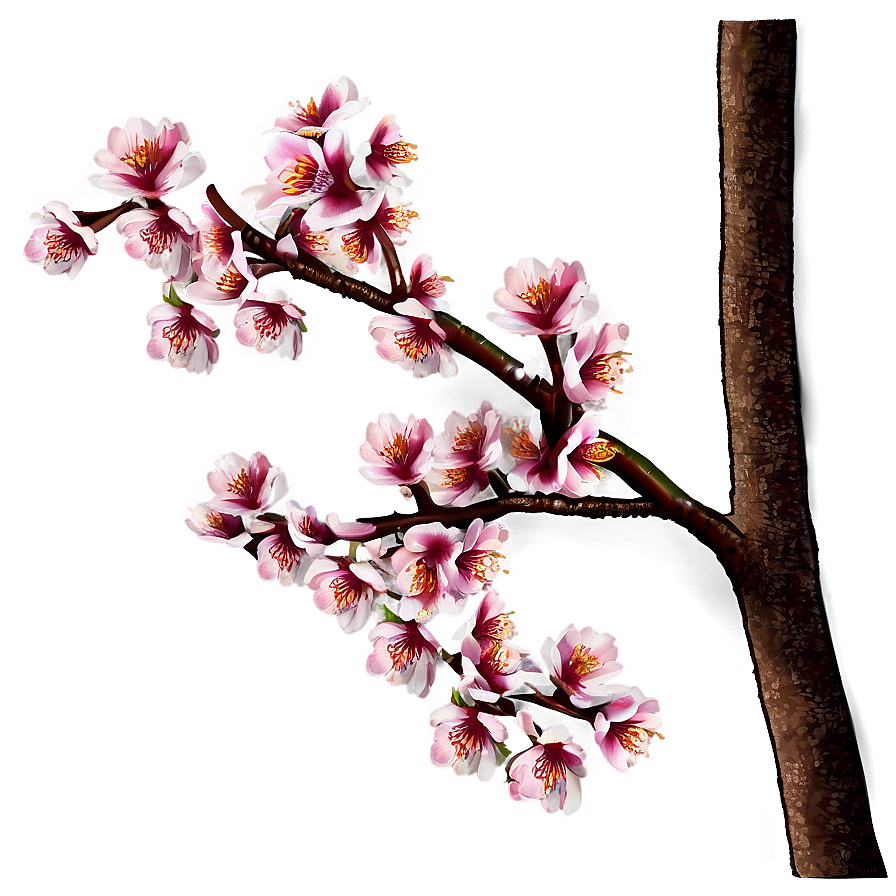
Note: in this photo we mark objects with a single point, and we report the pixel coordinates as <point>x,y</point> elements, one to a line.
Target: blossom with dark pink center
<point>300,236</point>
<point>307,529</point>
<point>569,467</point>
<point>184,335</point>
<point>146,160</point>
<point>424,568</point>
<point>345,589</point>
<point>479,561</point>
<point>338,102</point>
<point>466,740</point>
<point>270,323</point>
<point>491,621</point>
<point>279,557</point>
<point>538,301</point>
<point>303,172</point>
<point>376,160</point>
<point>243,486</point>
<point>425,285</point>
<point>463,454</point>
<point>163,237</point>
<point>224,274</point>
<point>398,453</point>
<point>405,652</point>
<point>624,727</point>
<point>413,340</point>
<point>492,667</point>
<point>360,240</point>
<point>580,662</point>
<point>59,241</point>
<point>596,365</point>
<point>550,770</point>
<point>215,236</point>
<point>212,525</point>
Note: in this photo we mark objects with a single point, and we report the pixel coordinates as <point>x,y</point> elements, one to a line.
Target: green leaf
<point>456,698</point>
<point>172,298</point>
<point>503,752</point>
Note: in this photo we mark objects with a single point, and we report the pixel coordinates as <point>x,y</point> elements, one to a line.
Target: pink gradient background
<point>172,724</point>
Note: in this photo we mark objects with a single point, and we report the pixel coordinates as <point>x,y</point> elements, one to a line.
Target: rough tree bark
<point>820,773</point>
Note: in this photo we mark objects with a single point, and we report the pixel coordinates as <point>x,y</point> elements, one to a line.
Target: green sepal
<point>457,700</point>
<point>302,326</point>
<point>216,334</point>
<point>390,616</point>
<point>503,752</point>
<point>172,298</point>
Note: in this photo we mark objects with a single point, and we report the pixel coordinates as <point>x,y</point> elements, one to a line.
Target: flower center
<point>59,247</point>
<point>309,111</point>
<point>157,237</point>
<point>482,565</point>
<point>215,239</point>
<point>454,478</point>
<point>399,153</point>
<point>424,580</point>
<point>230,281</point>
<point>269,324</point>
<point>538,295</point>
<point>355,246</point>
<point>305,177</point>
<point>397,452</point>
<point>239,484</point>
<point>285,553</point>
<point>471,437</point>
<point>582,661</point>
<point>599,451</point>
<point>522,447</point>
<point>399,217</point>
<point>499,627</point>
<point>180,336</point>
<point>403,651</point>
<point>215,520</point>
<point>346,593</point>
<point>144,155</point>
<point>550,768</point>
<point>465,740</point>
<point>606,369</point>
<point>416,343</point>
<point>635,740</point>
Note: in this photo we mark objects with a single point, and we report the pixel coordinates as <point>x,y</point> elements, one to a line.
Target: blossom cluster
<point>402,580</point>
<point>457,466</point>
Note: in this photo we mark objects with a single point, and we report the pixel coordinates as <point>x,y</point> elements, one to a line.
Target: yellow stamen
<point>397,452</point>
<point>424,580</point>
<point>239,484</point>
<point>522,447</point>
<point>539,295</point>
<point>354,247</point>
<point>230,281</point>
<point>455,477</point>
<point>144,155</point>
<point>464,741</point>
<point>346,594</point>
<point>58,248</point>
<point>215,238</point>
<point>400,216</point>
<point>471,437</point>
<point>583,660</point>
<point>399,153</point>
<point>413,344</point>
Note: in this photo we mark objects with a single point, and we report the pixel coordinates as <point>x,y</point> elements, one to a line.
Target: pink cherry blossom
<point>492,667</point>
<point>424,568</point>
<point>243,486</point>
<point>425,285</point>
<point>338,102</point>
<point>215,236</point>
<point>163,237</point>
<point>491,621</point>
<point>279,557</point>
<point>300,236</point>
<point>569,467</point>
<point>307,529</point>
<point>580,662</point>
<point>378,158</point>
<point>303,172</point>
<point>146,160</point>
<point>360,240</point>
<point>270,323</point>
<point>224,273</point>
<point>212,525</point>
<point>464,454</point>
<point>413,340</point>
<point>479,561</point>
<point>184,335</point>
<point>345,589</point>
<point>595,365</point>
<point>541,302</point>
<point>398,453</point>
<point>59,241</point>
<point>405,652</point>
<point>550,770</point>
<point>624,727</point>
<point>466,739</point>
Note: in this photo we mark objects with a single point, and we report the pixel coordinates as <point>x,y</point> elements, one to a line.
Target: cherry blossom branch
<point>98,221</point>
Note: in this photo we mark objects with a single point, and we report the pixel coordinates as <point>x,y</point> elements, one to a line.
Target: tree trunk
<point>820,773</point>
